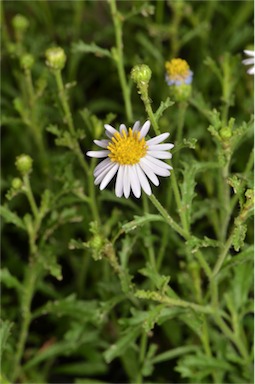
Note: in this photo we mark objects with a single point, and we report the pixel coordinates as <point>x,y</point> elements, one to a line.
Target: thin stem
<point>148,238</point>
<point>30,197</point>
<point>26,318</point>
<point>117,21</point>
<point>178,202</point>
<point>63,99</point>
<point>223,255</point>
<point>147,104</point>
<point>77,149</point>
<point>181,118</point>
<point>167,217</point>
<point>143,347</point>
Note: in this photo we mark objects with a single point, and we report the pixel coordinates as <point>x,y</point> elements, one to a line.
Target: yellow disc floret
<point>127,148</point>
<point>177,69</point>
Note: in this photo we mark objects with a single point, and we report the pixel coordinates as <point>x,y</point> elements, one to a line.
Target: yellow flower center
<point>127,148</point>
<point>177,69</point>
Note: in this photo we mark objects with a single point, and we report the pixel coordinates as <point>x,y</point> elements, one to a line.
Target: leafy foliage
<point>98,289</point>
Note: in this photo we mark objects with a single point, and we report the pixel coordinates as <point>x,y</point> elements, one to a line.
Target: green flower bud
<point>141,73</point>
<point>16,183</point>
<point>96,242</point>
<point>27,61</point>
<point>225,133</point>
<point>55,58</point>
<point>20,23</point>
<point>24,164</point>
<point>180,92</point>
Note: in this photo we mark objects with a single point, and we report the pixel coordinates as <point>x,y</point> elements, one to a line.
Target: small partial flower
<point>178,72</point>
<point>250,61</point>
<point>132,158</point>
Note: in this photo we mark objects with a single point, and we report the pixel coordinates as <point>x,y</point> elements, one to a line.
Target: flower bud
<point>24,164</point>
<point>141,73</point>
<point>20,23</point>
<point>225,133</point>
<point>16,183</point>
<point>27,61</point>
<point>55,58</point>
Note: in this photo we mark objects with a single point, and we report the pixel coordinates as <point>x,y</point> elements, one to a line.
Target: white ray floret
<point>132,159</point>
<point>250,61</point>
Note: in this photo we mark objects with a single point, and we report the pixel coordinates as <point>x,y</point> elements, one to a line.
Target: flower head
<point>250,61</point>
<point>132,158</point>
<point>178,72</point>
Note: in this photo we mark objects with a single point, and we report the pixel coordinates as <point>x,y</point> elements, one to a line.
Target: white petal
<point>136,126</point>
<point>251,71</point>
<point>156,169</point>
<point>158,139</point>
<point>123,128</point>
<point>110,129</point>
<point>160,154</point>
<point>145,129</point>
<point>157,162</point>
<point>109,176</point>
<point>98,154</point>
<point>143,180</point>
<point>102,143</point>
<point>126,180</point>
<point>119,182</point>
<point>134,180</point>
<point>149,173</point>
<point>161,147</point>
<point>249,53</point>
<point>102,174</point>
<point>101,166</point>
<point>248,61</point>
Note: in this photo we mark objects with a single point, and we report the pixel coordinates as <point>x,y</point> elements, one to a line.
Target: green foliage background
<point>97,289</point>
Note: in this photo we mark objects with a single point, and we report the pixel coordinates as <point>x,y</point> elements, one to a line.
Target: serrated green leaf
<point>124,341</point>
<point>9,280</point>
<point>163,106</point>
<point>5,328</point>
<point>239,235</point>
<point>188,190</point>
<point>194,244</point>
<point>82,47</point>
<point>11,217</point>
<point>140,220</point>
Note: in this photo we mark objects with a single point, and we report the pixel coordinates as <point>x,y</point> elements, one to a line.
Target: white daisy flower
<point>250,61</point>
<point>132,158</point>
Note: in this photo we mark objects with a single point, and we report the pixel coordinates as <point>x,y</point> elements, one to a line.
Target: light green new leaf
<point>9,280</point>
<point>11,217</point>
<point>81,47</point>
<point>141,220</point>
<point>122,344</point>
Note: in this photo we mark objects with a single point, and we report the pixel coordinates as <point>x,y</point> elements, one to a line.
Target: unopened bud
<point>16,183</point>
<point>225,133</point>
<point>20,23</point>
<point>141,73</point>
<point>27,61</point>
<point>55,58</point>
<point>24,164</point>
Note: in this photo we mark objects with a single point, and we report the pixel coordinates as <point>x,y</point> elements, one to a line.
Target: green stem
<point>26,319</point>
<point>179,202</point>
<point>63,99</point>
<point>181,118</point>
<point>117,21</point>
<point>148,239</point>
<point>30,197</point>
<point>147,104</point>
<point>143,347</point>
<point>222,256</point>
<point>168,218</point>
<point>77,149</point>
